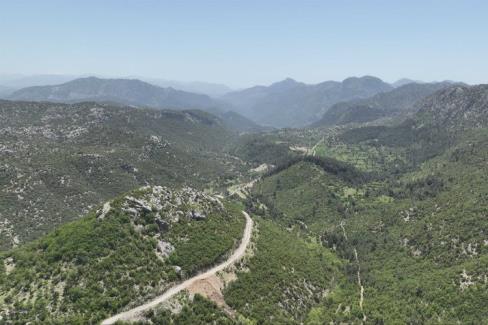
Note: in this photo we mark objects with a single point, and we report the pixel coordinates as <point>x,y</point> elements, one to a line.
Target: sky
<point>243,43</point>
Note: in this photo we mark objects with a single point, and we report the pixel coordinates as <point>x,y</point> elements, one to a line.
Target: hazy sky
<point>241,43</point>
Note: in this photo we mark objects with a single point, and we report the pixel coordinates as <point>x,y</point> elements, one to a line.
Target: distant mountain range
<point>17,81</point>
<point>405,81</point>
<point>125,91</point>
<point>206,88</point>
<point>130,92</point>
<point>397,101</point>
<point>393,210</point>
<point>289,103</point>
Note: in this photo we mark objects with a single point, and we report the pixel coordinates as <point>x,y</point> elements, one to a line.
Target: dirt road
<point>237,255</point>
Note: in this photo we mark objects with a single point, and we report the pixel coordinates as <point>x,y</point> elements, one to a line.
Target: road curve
<point>237,255</point>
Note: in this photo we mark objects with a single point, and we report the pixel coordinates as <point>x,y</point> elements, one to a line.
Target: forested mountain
<point>59,160</point>
<point>380,224</point>
<point>289,103</point>
<point>398,101</point>
<point>411,227</point>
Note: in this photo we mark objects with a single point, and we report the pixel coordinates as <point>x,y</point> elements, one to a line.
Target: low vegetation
<point>286,277</point>
<point>110,259</point>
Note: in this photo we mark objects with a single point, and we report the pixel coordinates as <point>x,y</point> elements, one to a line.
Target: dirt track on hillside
<point>135,313</point>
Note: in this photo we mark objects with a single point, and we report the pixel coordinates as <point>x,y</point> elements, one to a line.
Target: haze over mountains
<point>131,92</point>
<point>287,103</point>
<point>18,81</point>
<point>400,100</point>
<point>293,104</point>
<point>126,91</point>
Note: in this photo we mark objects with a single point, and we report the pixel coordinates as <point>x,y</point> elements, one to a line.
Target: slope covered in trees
<point>126,251</point>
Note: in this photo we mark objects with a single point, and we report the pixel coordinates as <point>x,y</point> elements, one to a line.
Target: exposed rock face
<point>169,205</point>
<point>162,224</point>
<point>177,269</point>
<point>104,211</point>
<point>455,106</point>
<point>196,215</point>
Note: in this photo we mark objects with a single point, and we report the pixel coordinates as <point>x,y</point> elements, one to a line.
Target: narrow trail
<point>237,255</point>
<point>361,287</point>
<point>361,293</point>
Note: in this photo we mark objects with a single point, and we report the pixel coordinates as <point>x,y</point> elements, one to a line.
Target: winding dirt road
<point>237,255</point>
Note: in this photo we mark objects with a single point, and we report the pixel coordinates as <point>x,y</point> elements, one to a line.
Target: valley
<point>115,214</point>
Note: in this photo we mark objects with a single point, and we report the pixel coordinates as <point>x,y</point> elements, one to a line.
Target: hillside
<point>60,160</point>
<point>416,244</point>
<point>293,104</point>
<point>126,251</point>
<point>412,231</point>
<point>465,106</point>
<point>398,101</point>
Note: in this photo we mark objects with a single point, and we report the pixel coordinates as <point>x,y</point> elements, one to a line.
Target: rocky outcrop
<point>168,206</point>
<point>154,209</point>
<point>164,249</point>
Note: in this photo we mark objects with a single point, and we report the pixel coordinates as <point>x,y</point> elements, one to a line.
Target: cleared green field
<point>363,157</point>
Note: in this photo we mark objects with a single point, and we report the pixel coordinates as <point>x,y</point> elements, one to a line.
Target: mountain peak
<point>285,83</point>
<point>404,81</point>
<point>362,79</point>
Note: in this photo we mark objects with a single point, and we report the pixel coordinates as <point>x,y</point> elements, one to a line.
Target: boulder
<point>177,269</point>
<point>197,215</point>
<point>162,224</point>
<point>165,249</point>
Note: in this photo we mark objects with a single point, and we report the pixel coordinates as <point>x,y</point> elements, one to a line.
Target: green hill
<point>126,251</point>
